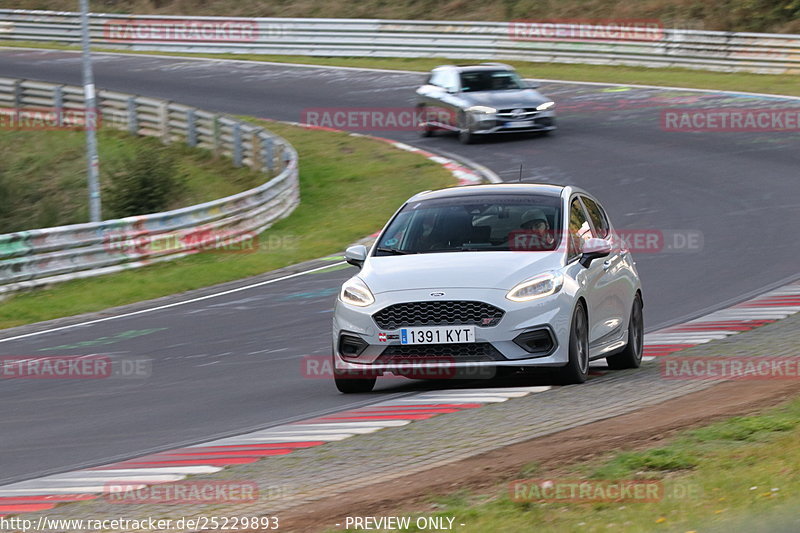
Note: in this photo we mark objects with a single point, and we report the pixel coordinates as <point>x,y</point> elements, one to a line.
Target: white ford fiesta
<point>488,276</point>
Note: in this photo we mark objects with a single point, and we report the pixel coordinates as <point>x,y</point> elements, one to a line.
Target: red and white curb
<point>169,466</point>
<point>764,309</point>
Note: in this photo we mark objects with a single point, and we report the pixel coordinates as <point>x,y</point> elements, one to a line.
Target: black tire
<point>425,128</point>
<point>577,369</point>
<point>350,384</point>
<point>631,356</point>
<point>464,135</point>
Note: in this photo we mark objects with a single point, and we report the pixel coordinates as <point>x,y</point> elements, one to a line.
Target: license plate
<point>520,124</point>
<point>437,335</point>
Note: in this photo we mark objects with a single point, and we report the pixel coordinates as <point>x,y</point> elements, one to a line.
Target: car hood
<point>488,270</point>
<point>506,99</point>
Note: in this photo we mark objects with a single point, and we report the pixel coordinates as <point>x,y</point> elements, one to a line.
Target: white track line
<point>173,304</point>
<point>188,470</point>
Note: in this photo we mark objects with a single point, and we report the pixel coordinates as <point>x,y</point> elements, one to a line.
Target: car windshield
<point>468,223</point>
<point>490,80</point>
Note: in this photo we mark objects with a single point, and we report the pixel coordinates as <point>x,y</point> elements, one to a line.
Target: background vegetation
<point>43,177</point>
<point>782,16</point>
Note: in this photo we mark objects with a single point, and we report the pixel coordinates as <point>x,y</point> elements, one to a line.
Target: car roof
<point>544,189</point>
<point>476,67</point>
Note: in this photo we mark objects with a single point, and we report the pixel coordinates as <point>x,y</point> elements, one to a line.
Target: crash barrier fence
<point>45,256</point>
<point>642,43</point>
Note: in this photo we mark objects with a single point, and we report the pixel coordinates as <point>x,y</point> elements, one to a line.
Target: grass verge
<point>43,175</point>
<point>678,77</point>
<point>349,186</point>
<point>739,474</point>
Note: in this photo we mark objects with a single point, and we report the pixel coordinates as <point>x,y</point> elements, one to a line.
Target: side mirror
<point>451,90</point>
<point>594,249</point>
<point>356,255</point>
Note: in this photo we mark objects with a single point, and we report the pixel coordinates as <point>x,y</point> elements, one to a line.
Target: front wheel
<point>577,369</point>
<point>425,128</point>
<point>464,133</point>
<point>631,356</point>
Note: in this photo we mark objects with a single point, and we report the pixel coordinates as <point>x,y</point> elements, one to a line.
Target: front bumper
<point>491,124</point>
<point>502,344</point>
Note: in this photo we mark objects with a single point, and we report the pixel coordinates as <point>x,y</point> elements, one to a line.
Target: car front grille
<point>444,313</point>
<point>508,114</point>
<point>440,353</point>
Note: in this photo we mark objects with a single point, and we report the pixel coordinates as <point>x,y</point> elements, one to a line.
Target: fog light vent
<point>351,346</point>
<point>538,341</point>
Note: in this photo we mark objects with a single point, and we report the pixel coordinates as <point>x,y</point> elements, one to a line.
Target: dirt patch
<point>641,429</point>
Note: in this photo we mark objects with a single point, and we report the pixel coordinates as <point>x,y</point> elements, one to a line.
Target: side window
<point>598,216</point>
<point>579,229</point>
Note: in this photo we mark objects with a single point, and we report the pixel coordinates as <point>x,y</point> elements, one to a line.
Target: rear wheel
<point>631,356</point>
<point>577,369</point>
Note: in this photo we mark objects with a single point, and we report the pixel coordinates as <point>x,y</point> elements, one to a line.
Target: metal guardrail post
<point>268,148</point>
<point>258,162</point>
<point>58,104</point>
<point>217,133</point>
<point>286,156</point>
<point>16,87</point>
<point>133,117</point>
<point>237,145</point>
<point>191,128</point>
<point>163,122</point>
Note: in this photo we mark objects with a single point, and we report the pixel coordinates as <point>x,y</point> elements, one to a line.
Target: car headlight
<point>536,287</point>
<point>356,292</point>
<point>545,106</point>
<point>482,110</point>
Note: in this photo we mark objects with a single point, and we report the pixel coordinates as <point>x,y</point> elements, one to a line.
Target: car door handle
<point>606,264</point>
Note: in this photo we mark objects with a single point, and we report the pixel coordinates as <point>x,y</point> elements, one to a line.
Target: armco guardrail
<point>712,50</point>
<point>44,256</point>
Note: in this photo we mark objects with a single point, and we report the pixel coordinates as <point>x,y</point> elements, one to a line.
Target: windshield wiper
<point>394,251</point>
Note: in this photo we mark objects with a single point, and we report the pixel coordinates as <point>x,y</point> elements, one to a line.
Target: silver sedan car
<point>484,99</point>
<point>489,276</point>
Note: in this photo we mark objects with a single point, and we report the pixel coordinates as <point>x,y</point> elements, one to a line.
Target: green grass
<point>733,472</point>
<point>349,187</point>
<point>43,175</point>
<point>785,84</point>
